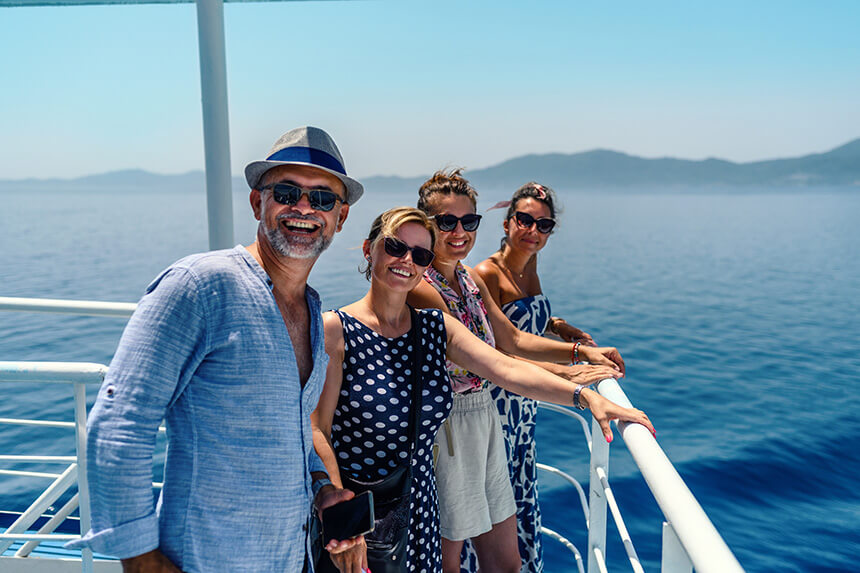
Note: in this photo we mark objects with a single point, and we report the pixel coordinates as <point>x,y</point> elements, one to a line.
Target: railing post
<point>216,131</point>
<point>675,559</point>
<point>80,391</point>
<point>597,501</point>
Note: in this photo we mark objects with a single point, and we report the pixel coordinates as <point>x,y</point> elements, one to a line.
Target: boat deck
<point>49,556</point>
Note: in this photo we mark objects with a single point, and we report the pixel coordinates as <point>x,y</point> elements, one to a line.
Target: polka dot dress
<point>371,423</point>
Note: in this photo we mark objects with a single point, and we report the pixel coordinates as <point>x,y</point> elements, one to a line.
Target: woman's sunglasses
<point>525,221</point>
<point>287,194</point>
<point>448,222</point>
<point>397,248</point>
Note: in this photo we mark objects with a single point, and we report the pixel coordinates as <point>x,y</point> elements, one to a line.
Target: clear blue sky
<point>407,87</point>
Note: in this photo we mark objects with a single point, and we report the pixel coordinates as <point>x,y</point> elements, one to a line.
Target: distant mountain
<point>604,169</point>
<point>597,169</point>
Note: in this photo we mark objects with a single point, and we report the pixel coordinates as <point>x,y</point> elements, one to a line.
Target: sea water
<point>736,313</point>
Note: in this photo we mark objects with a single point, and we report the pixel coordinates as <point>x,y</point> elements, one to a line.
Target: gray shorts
<point>474,486</point>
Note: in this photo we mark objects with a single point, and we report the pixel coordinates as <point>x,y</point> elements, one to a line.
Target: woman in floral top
<point>475,494</point>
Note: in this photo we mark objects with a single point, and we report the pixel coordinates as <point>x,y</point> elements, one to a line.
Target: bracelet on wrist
<point>574,354</point>
<point>576,397</point>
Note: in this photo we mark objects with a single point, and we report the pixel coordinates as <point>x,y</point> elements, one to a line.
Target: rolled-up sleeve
<point>160,348</point>
<point>315,464</point>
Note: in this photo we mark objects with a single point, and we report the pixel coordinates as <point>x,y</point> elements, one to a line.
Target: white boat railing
<point>80,307</point>
<point>690,541</point>
<point>78,375</point>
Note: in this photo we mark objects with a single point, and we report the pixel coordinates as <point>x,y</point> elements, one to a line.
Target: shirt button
<point>305,527</point>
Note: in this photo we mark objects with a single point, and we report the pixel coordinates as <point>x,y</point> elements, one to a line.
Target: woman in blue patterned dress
<point>513,283</point>
<point>361,421</point>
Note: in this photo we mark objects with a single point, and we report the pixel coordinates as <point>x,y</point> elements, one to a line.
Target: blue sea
<point>737,314</point>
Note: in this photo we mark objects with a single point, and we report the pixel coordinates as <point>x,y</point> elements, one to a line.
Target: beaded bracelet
<point>575,353</point>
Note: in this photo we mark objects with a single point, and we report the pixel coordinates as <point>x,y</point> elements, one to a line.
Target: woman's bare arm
<point>528,380</point>
<point>425,296</point>
<point>514,341</point>
<point>321,418</point>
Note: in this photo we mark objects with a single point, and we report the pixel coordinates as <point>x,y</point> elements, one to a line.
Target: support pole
<point>216,131</point>
<point>597,501</point>
<point>80,393</point>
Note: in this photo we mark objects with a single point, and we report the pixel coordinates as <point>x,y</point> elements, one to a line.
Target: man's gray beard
<point>298,248</point>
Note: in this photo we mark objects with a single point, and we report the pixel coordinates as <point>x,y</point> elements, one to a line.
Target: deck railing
<point>690,540</point>
<point>78,375</point>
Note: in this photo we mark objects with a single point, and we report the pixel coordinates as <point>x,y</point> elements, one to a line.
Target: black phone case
<point>339,521</point>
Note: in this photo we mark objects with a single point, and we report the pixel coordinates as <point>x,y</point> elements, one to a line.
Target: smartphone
<point>349,518</point>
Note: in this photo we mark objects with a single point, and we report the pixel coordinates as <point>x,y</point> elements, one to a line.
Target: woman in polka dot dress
<point>361,423</point>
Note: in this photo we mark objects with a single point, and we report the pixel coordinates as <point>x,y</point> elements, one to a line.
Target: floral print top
<point>470,310</point>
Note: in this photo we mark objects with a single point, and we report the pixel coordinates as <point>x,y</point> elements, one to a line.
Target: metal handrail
<point>77,374</point>
<point>80,307</point>
<point>705,547</point>
<point>688,533</point>
<point>53,372</point>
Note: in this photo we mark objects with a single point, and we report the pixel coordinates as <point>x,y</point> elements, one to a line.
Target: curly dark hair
<point>446,183</point>
<point>537,192</point>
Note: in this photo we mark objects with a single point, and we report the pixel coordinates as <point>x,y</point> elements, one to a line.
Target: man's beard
<point>296,246</point>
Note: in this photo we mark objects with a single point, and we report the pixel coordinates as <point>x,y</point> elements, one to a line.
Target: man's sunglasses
<point>287,194</point>
<point>397,248</point>
<point>544,224</point>
<point>448,222</point>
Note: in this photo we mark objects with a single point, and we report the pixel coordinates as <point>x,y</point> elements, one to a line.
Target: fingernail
<point>608,439</point>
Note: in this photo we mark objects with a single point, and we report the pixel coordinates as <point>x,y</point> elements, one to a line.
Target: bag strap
<point>417,380</point>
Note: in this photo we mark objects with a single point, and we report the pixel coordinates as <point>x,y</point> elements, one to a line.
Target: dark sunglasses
<point>397,248</point>
<point>288,194</point>
<point>448,222</point>
<point>544,224</point>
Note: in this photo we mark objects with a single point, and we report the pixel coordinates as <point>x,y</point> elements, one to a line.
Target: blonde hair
<point>387,224</point>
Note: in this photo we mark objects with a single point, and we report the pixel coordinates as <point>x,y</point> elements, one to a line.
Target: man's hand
<point>327,497</point>
<point>153,562</point>
<point>602,355</point>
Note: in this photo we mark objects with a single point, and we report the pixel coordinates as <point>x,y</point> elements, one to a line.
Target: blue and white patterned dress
<point>529,314</point>
<point>371,422</point>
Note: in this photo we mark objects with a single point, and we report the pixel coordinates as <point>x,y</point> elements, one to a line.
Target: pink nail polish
<point>608,439</point>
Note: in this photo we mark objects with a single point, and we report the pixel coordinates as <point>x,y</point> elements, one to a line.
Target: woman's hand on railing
<point>570,333</point>
<point>602,355</point>
<point>604,411</point>
<point>586,374</point>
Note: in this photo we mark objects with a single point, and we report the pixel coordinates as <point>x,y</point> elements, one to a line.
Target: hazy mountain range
<point>597,169</point>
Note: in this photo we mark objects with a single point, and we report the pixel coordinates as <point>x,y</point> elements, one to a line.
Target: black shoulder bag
<point>388,544</point>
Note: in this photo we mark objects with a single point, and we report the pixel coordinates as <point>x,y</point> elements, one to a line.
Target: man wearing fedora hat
<point>227,347</point>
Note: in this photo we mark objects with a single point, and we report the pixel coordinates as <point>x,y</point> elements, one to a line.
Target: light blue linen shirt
<point>208,351</point>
